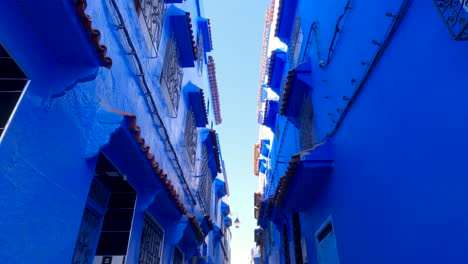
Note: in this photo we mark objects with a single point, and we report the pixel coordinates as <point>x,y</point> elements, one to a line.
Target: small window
<point>13,82</point>
<point>295,46</point>
<point>178,256</point>
<point>205,183</point>
<point>327,252</point>
<point>171,77</point>
<point>151,242</point>
<point>201,54</point>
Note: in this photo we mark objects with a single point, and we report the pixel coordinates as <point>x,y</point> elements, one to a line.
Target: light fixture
<point>237,222</point>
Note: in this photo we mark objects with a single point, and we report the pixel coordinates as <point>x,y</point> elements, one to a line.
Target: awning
<point>298,85</point>
<point>262,166</point>
<point>269,116</point>
<point>278,61</point>
<point>306,174</point>
<point>196,99</point>
<point>192,235</point>
<point>225,208</point>
<point>211,142</point>
<point>220,188</point>
<point>285,20</point>
<point>205,28</point>
<point>174,1</point>
<point>206,224</point>
<point>227,221</point>
<point>218,233</point>
<point>265,147</point>
<point>182,28</point>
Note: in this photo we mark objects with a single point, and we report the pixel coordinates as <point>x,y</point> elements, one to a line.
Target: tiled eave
<point>256,157</point>
<point>214,89</point>
<point>94,34</point>
<point>162,176</point>
<point>278,18</point>
<point>204,105</point>
<point>192,35</point>
<point>211,37</point>
<point>209,221</point>
<point>283,185</point>
<point>270,67</point>
<point>196,227</point>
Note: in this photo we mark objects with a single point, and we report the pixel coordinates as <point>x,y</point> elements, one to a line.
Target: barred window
<point>201,54</point>
<point>205,184</point>
<point>151,242</point>
<point>306,125</point>
<point>294,48</point>
<point>171,76</point>
<point>178,256</point>
<point>152,20</point>
<point>191,137</point>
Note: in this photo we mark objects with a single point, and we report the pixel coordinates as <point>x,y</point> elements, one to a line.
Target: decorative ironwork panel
<point>191,137</point>
<point>172,74</point>
<point>154,12</point>
<point>296,39</point>
<point>205,186</point>
<point>87,237</point>
<point>151,242</point>
<point>455,15</point>
<point>306,127</point>
<point>99,193</point>
<point>201,54</point>
<point>178,256</point>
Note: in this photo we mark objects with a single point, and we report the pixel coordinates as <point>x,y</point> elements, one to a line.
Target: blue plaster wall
<point>48,154</point>
<point>398,190</point>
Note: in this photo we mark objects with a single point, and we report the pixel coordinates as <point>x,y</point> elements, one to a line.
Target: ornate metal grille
<point>296,41</point>
<point>178,256</point>
<point>99,193</point>
<point>306,127</point>
<point>154,12</point>
<point>201,54</point>
<point>455,15</point>
<point>171,76</point>
<point>205,187</point>
<point>151,242</point>
<point>191,137</point>
<point>87,237</point>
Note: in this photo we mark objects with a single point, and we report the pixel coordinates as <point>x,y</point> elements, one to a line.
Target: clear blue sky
<point>237,28</point>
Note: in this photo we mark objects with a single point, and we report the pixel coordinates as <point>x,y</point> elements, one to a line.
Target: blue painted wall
<point>49,152</point>
<point>397,193</point>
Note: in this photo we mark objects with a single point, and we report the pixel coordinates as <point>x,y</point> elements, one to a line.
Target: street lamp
<point>237,222</point>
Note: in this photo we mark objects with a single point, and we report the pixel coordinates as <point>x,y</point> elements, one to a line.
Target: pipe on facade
<point>382,46</point>
<point>150,100</point>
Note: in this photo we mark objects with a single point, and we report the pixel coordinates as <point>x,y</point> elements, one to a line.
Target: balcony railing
<point>455,15</point>
<point>191,138</point>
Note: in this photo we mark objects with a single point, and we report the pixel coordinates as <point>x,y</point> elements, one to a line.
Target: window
<point>455,15</point>
<point>327,252</point>
<point>201,54</point>
<point>151,15</point>
<point>287,256</point>
<point>151,242</point>
<point>12,84</point>
<point>178,256</point>
<point>191,138</point>
<point>306,124</point>
<point>297,238</point>
<point>295,46</point>
<point>171,76</point>
<point>205,184</point>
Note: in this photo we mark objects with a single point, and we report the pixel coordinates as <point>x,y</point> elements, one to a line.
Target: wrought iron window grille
<point>191,137</point>
<point>171,77</point>
<point>152,239</point>
<point>455,15</point>
<point>201,54</point>
<point>205,184</point>
<point>153,15</point>
<point>296,41</point>
<point>306,127</point>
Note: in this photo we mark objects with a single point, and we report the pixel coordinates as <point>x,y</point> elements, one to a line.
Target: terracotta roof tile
<point>209,221</point>
<point>214,138</point>
<point>192,35</point>
<point>283,185</point>
<point>214,89</point>
<point>286,91</point>
<point>136,130</point>
<point>94,34</point>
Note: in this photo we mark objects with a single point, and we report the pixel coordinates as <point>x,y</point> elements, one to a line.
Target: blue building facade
<point>108,143</point>
<point>361,154</point>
